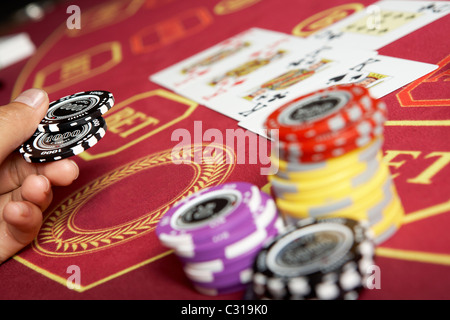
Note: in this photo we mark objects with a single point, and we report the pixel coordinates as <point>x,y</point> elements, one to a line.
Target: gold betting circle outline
<point>210,172</point>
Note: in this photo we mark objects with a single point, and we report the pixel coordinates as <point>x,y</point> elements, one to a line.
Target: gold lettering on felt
<point>426,175</point>
<point>128,121</point>
<point>78,66</point>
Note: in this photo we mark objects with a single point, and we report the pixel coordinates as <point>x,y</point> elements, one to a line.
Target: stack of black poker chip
<point>72,125</point>
<point>325,259</point>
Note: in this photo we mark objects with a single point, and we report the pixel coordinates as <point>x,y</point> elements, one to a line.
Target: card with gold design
<point>238,72</point>
<point>217,59</point>
<point>271,86</point>
<point>380,74</point>
<point>382,23</point>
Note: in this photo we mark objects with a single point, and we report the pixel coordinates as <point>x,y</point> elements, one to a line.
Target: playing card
<point>382,23</point>
<point>270,87</point>
<point>239,71</point>
<point>215,59</point>
<point>380,74</point>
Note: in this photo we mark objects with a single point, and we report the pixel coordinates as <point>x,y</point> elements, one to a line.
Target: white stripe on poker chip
<point>318,211</point>
<point>270,210</point>
<point>319,147</point>
<point>53,128</point>
<point>299,286</point>
<point>27,157</point>
<point>259,278</point>
<point>327,291</point>
<point>212,265</point>
<point>103,109</point>
<point>357,90</point>
<point>177,240</point>
<point>362,141</point>
<point>364,264</point>
<point>310,133</point>
<point>350,279</point>
<point>317,157</point>
<point>369,172</point>
<point>378,117</point>
<point>375,214</point>
<point>366,248</point>
<point>246,244</point>
<point>276,287</point>
<point>364,128</point>
<point>245,276</point>
<point>340,141</point>
<point>378,131</point>
<point>280,225</point>
<point>336,123</point>
<point>295,151</point>
<point>255,199</point>
<point>354,113</point>
<point>338,152</point>
<point>205,277</point>
<point>77,149</point>
<point>366,102</point>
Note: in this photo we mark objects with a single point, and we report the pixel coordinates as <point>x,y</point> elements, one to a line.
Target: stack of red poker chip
<point>327,123</point>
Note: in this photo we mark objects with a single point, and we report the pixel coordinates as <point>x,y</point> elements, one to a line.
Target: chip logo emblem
<point>416,94</point>
<point>325,18</point>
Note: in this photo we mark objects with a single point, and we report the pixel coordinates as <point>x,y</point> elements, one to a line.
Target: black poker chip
<point>54,146</point>
<point>324,259</point>
<point>76,110</point>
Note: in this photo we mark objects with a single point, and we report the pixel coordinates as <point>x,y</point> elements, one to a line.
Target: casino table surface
<point>104,223</point>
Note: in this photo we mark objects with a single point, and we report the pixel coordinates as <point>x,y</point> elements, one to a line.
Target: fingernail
<point>77,170</point>
<point>46,182</point>
<point>32,97</point>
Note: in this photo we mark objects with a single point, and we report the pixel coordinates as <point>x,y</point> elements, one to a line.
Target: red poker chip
<point>370,126</point>
<point>360,142</point>
<point>327,110</point>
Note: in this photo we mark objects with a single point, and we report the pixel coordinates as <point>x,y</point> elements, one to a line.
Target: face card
<point>270,87</point>
<point>382,23</point>
<point>214,59</point>
<point>238,72</point>
<point>380,74</point>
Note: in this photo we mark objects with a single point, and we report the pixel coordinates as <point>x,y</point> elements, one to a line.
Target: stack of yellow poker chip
<point>328,162</point>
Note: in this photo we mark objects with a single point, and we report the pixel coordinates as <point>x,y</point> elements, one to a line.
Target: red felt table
<point>105,222</point>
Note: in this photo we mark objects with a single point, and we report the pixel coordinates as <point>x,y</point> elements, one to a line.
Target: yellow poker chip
<point>368,208</point>
<point>314,208</point>
<point>392,221</point>
<point>296,185</point>
<point>326,189</point>
<point>313,171</point>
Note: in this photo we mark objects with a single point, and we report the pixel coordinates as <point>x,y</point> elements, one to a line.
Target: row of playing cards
<point>251,74</point>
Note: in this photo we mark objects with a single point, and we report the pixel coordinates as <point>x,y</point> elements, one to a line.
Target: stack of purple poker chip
<point>218,232</point>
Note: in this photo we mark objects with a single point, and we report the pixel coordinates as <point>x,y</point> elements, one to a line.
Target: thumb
<point>20,118</point>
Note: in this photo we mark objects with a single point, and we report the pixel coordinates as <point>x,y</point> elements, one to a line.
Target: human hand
<point>25,188</point>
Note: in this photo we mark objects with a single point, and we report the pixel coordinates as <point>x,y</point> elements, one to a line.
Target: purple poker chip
<point>220,291</point>
<point>233,250</point>
<point>207,269</point>
<point>213,270</point>
<point>227,280</point>
<point>203,215</point>
<point>262,218</point>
